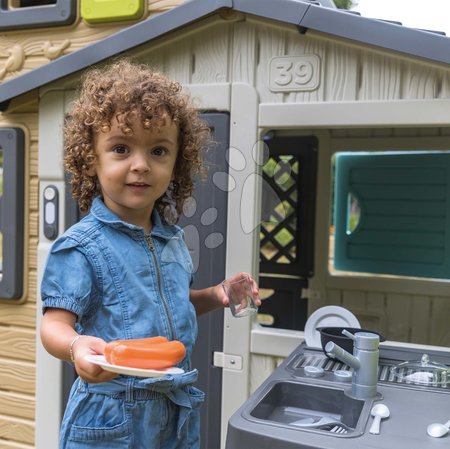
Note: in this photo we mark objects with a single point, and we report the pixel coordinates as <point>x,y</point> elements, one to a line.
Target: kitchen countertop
<point>412,409</point>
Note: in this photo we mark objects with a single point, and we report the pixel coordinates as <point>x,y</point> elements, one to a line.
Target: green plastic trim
<point>100,11</point>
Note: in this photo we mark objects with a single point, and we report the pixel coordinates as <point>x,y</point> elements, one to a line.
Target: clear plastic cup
<point>240,296</point>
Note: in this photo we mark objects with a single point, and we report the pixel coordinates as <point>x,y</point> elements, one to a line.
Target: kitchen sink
<point>310,407</point>
<point>289,409</point>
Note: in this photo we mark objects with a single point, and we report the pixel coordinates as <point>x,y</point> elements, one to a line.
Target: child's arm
<point>58,334</point>
<point>214,297</point>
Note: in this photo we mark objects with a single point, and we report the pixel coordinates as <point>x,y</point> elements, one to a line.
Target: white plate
<point>328,316</point>
<point>128,371</point>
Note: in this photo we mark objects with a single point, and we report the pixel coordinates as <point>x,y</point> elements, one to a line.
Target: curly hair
<point>123,90</point>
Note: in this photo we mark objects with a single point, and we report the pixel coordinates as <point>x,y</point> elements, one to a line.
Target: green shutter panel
<point>404,223</point>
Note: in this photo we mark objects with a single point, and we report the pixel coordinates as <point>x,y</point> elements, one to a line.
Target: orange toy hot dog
<point>150,354</point>
<point>137,341</point>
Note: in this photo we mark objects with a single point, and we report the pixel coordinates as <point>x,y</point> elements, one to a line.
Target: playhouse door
<point>205,225</point>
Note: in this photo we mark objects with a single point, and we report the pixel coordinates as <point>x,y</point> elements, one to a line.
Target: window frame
<point>379,282</point>
<point>63,12</point>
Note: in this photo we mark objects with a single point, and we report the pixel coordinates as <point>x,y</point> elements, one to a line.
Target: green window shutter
<point>404,223</point>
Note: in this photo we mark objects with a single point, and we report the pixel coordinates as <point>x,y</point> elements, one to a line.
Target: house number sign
<point>294,73</point>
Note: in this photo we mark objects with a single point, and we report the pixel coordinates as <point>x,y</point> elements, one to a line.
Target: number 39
<point>288,72</point>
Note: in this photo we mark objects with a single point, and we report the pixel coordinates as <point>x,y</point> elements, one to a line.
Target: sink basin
<point>310,407</point>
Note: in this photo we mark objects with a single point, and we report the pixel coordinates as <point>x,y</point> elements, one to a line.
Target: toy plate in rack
<point>129,371</point>
<point>328,316</point>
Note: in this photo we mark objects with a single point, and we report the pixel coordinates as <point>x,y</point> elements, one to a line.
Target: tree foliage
<point>343,4</point>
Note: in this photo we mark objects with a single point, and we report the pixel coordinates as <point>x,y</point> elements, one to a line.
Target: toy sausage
<point>151,353</point>
<point>137,341</point>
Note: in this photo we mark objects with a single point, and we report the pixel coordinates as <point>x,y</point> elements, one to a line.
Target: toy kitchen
<point>345,387</point>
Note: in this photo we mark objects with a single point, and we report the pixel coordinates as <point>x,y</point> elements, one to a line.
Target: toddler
<point>133,146</point>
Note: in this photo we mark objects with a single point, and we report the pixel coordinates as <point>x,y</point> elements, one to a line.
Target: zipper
<point>161,294</point>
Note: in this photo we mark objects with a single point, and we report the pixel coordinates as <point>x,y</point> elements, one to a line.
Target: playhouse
<point>329,179</point>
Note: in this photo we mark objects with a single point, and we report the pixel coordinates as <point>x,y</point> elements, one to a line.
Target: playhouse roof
<point>306,14</point>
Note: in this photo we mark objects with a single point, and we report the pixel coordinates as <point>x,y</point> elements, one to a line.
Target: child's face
<point>135,170</point>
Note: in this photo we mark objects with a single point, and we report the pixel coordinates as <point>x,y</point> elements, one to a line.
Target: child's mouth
<point>138,186</point>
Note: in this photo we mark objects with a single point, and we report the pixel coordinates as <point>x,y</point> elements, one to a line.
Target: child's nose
<point>140,164</point>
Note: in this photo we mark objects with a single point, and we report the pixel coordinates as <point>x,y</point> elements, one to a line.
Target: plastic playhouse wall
<point>30,37</point>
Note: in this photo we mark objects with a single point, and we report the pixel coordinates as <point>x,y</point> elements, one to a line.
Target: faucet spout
<point>343,355</point>
<point>364,362</point>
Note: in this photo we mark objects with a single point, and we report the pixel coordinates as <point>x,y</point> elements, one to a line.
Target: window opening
<point>390,214</point>
<point>15,4</point>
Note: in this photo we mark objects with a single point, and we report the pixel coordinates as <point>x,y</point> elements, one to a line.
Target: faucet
<point>364,362</point>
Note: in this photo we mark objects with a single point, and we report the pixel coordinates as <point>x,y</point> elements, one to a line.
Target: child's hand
<point>255,289</point>
<point>90,372</point>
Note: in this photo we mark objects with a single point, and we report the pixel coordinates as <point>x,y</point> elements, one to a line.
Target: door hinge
<point>228,361</point>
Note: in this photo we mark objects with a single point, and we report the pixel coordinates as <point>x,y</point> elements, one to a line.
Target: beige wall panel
<point>17,376</point>
<point>398,312</point>
<point>439,319</point>
<point>375,314</point>
<point>353,300</point>
<point>301,45</point>
<point>244,53</point>
<point>420,82</point>
<point>341,83</point>
<point>178,62</point>
<point>429,132</point>
<point>32,287</point>
<point>444,91</point>
<point>380,77</point>
<point>17,429</point>
<point>155,60</point>
<point>356,302</point>
<point>33,223</point>
<point>33,195</point>
<point>17,343</point>
<point>210,64</point>
<point>333,297</point>
<point>32,252</point>
<point>14,445</point>
<point>18,315</point>
<point>25,104</point>
<point>16,404</point>
<point>27,121</point>
<point>272,42</point>
<point>420,322</point>
<point>33,160</point>
<point>33,49</point>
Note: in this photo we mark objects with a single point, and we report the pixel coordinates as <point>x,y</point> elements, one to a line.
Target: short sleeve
<point>68,281</point>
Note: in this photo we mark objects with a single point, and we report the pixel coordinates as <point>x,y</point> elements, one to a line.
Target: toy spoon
<point>378,412</point>
<point>438,430</point>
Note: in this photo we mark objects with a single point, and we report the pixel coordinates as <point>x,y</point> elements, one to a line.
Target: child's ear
<point>92,171</point>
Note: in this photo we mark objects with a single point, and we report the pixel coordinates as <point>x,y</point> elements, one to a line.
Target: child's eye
<point>120,149</point>
<point>159,151</point>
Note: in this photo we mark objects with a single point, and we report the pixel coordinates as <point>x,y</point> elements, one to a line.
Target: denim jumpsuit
<point>123,284</point>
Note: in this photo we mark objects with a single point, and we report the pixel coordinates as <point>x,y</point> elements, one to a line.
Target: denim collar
<point>105,215</point>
